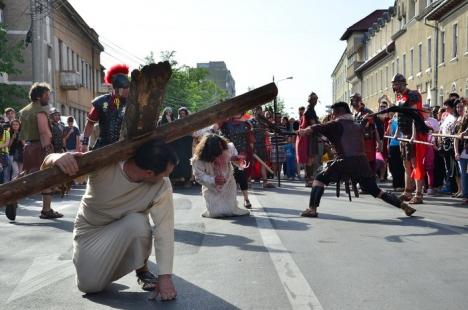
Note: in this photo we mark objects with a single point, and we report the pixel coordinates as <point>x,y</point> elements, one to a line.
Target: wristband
<point>85,141</point>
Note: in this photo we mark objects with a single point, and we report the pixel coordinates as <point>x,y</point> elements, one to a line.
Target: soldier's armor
<point>406,100</point>
<point>237,133</point>
<point>110,120</point>
<point>57,137</point>
<point>351,143</point>
<point>368,129</point>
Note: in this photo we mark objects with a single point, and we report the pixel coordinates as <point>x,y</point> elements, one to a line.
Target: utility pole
<point>278,166</point>
<point>36,7</point>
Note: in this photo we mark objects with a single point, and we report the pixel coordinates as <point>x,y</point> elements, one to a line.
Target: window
<point>412,62</point>
<point>397,65</point>
<point>466,32</point>
<point>442,47</point>
<point>429,52</point>
<point>441,96</point>
<point>411,9</point>
<point>386,77</point>
<point>420,57</point>
<point>455,40</point>
<point>73,60</point>
<point>1,16</point>
<point>403,68</point>
<point>429,2</point>
<point>60,48</point>
<point>377,82</point>
<point>393,69</point>
<point>428,91</point>
<point>82,67</point>
<point>381,80</point>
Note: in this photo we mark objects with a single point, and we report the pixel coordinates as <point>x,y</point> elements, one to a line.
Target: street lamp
<point>275,110</point>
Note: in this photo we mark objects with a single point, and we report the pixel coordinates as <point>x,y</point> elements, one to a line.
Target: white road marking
<point>44,271</point>
<point>298,290</point>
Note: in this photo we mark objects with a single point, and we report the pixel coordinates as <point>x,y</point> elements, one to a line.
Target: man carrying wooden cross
<point>112,234</point>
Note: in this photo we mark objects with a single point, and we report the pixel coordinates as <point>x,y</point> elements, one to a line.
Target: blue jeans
<point>464,176</point>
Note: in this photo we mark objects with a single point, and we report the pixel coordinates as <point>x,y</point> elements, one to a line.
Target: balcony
<point>70,80</point>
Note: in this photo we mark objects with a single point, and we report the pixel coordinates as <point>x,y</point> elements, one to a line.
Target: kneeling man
<point>112,234</point>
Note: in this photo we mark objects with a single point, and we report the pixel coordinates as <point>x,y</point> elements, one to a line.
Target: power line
<point>121,48</point>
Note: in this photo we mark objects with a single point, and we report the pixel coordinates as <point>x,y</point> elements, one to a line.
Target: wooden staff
<point>94,160</point>
<point>408,140</point>
<point>263,163</point>
<point>449,136</point>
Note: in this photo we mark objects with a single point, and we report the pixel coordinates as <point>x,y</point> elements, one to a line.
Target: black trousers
<point>241,179</point>
<point>396,167</point>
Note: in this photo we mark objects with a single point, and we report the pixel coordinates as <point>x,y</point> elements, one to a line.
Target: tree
<point>188,87</point>
<point>279,104</point>
<point>11,53</point>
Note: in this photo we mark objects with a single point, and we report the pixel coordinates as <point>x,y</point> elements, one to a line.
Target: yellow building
<point>68,55</point>
<point>341,86</point>
<point>425,40</point>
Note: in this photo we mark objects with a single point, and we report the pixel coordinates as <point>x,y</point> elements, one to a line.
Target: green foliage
<point>279,104</point>
<point>188,87</point>
<point>11,53</point>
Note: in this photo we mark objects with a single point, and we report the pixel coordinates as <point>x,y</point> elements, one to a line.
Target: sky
<point>257,39</point>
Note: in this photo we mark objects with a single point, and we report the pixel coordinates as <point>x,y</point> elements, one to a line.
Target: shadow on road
<point>440,229</point>
<point>213,239</point>
<point>59,224</point>
<point>190,296</point>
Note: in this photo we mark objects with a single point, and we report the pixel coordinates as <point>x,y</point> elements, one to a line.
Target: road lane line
<point>298,290</point>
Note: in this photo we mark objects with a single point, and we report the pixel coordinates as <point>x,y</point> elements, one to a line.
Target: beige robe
<point>112,235</point>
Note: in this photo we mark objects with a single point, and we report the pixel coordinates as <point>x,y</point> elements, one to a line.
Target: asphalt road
<point>357,255</point>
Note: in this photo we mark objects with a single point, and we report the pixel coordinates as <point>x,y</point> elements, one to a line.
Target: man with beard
<point>347,138</point>
<point>36,133</point>
<point>412,154</point>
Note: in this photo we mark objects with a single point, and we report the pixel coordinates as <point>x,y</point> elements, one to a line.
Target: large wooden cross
<point>144,102</point>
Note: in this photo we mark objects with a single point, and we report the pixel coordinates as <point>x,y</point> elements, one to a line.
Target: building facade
<point>68,56</point>
<point>425,40</point>
<point>341,87</point>
<point>218,73</point>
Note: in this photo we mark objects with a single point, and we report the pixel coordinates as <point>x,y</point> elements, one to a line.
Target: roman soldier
<point>371,135</point>
<point>108,110</point>
<point>347,138</point>
<point>412,154</point>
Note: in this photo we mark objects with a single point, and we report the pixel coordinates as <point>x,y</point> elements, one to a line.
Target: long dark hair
<point>11,127</point>
<point>310,112</point>
<point>210,147</point>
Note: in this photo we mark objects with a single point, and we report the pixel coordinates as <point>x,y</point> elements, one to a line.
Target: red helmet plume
<point>116,69</point>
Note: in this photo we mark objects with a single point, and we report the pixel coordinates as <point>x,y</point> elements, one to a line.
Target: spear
<point>450,136</point>
<point>410,141</point>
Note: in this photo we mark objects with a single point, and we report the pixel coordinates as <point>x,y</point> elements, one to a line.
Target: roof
<point>384,53</point>
<point>444,8</point>
<point>90,32</point>
<point>363,24</point>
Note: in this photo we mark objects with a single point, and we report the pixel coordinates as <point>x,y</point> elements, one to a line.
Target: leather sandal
<point>51,214</point>
<point>309,213</point>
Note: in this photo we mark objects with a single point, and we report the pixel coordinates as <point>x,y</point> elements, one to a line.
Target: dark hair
<point>210,147</point>
<point>302,108</point>
<point>452,103</point>
<point>457,96</point>
<point>11,127</point>
<point>70,119</point>
<point>341,106</point>
<point>155,156</point>
<point>37,90</point>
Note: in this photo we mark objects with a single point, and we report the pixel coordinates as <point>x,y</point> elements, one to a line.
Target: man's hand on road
<point>165,288</point>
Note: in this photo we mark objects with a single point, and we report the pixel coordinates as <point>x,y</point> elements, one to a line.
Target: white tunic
<point>221,201</point>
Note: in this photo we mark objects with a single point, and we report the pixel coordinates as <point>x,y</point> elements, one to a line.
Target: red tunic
<point>419,171</point>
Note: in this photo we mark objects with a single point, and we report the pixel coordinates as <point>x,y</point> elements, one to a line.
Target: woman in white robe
<point>212,168</point>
